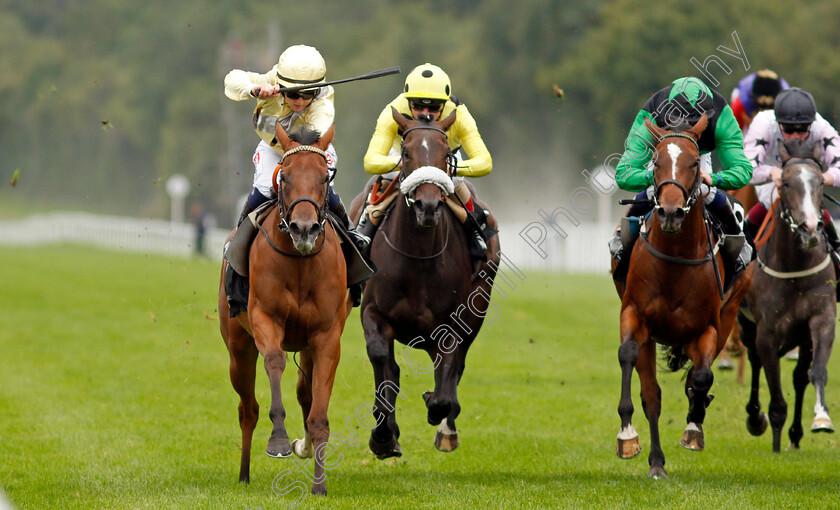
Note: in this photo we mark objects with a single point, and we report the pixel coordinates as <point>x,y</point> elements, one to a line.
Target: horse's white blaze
<point>627,433</point>
<point>674,151</point>
<point>444,428</point>
<point>693,427</point>
<point>811,214</point>
<point>425,144</point>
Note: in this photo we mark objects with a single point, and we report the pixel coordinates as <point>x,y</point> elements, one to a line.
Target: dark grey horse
<point>792,298</point>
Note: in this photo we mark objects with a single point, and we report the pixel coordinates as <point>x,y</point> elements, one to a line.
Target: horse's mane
<point>306,135</point>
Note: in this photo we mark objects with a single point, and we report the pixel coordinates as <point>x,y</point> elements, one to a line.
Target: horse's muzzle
<point>305,235</point>
<point>670,218</point>
<point>428,211</point>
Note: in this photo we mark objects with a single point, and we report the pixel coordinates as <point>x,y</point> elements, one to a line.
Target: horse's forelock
<point>306,135</point>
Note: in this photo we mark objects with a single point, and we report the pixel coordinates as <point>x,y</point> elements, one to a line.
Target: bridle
<point>689,196</point>
<point>785,213</point>
<point>285,212</point>
<point>451,160</point>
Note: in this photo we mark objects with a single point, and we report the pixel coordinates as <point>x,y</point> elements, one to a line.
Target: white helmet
<point>301,65</point>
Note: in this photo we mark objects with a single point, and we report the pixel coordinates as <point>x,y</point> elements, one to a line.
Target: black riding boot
<point>361,241</point>
<point>368,229</point>
<point>236,285</point>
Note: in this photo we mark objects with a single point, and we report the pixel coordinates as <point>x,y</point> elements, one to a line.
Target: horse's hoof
<point>385,449</point>
<point>657,473</point>
<point>793,447</point>
<point>757,424</point>
<point>822,424</point>
<point>692,438</point>
<point>319,489</point>
<point>628,448</point>
<point>446,442</point>
<point>725,364</point>
<point>300,449</point>
<point>278,447</point>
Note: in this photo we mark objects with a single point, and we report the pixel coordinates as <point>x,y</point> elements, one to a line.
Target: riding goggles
<point>428,104</point>
<point>794,128</point>
<point>301,94</point>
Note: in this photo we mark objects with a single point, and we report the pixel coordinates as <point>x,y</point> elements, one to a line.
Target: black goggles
<point>795,128</point>
<point>301,94</point>
<point>420,105</point>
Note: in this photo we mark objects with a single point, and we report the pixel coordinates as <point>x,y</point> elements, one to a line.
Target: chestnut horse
<point>425,293</point>
<point>298,302</point>
<point>672,297</point>
<point>792,298</point>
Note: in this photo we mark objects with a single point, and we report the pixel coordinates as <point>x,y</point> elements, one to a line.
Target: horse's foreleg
<point>822,338</point>
<point>325,355</point>
<point>268,336</point>
<point>800,382</point>
<point>443,400</point>
<point>243,364</point>
<point>303,447</point>
<point>446,437</point>
<point>702,353</point>
<point>652,406</point>
<point>627,443</point>
<point>379,336</point>
<point>756,419</point>
<point>777,409</point>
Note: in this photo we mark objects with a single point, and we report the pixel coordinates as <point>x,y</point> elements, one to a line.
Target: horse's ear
<point>446,123</point>
<point>698,128</point>
<point>784,152</point>
<point>326,138</point>
<point>655,130</point>
<point>282,138</point>
<point>401,121</point>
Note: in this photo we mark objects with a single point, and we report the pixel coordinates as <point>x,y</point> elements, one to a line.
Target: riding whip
<point>368,76</point>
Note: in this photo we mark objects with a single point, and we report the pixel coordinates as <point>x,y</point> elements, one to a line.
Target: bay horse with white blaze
<point>792,298</point>
<point>298,303</point>
<point>673,297</point>
<point>425,293</point>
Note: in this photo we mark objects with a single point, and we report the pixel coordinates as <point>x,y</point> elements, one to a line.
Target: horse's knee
<point>377,353</point>
<point>628,352</point>
<point>703,379</point>
<point>275,360</point>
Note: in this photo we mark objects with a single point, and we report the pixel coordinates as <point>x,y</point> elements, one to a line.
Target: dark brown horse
<point>672,298</point>
<point>298,302</point>
<point>792,299</point>
<point>425,293</point>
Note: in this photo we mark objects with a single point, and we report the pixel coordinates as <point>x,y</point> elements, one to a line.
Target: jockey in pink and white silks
<point>794,117</point>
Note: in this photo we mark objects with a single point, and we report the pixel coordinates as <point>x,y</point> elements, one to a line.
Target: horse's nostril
<point>315,230</point>
<point>679,215</point>
<point>294,228</point>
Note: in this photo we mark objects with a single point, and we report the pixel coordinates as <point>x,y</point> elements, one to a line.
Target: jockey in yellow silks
<point>428,94</point>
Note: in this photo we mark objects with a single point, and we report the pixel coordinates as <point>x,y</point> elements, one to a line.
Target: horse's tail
<point>674,357</point>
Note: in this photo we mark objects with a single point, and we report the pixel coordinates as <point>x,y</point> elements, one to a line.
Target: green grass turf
<point>114,393</point>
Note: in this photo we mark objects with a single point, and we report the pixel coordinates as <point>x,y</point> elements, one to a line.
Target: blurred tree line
<point>103,100</point>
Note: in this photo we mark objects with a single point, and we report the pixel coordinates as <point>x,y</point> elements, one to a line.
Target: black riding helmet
<point>795,106</point>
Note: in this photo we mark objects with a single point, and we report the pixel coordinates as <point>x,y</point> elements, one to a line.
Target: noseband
<point>451,161</point>
<point>285,212</point>
<point>689,196</point>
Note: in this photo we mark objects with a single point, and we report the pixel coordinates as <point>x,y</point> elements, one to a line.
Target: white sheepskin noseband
<point>427,174</point>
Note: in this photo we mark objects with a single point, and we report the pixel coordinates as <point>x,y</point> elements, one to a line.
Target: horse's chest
<point>673,324</point>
